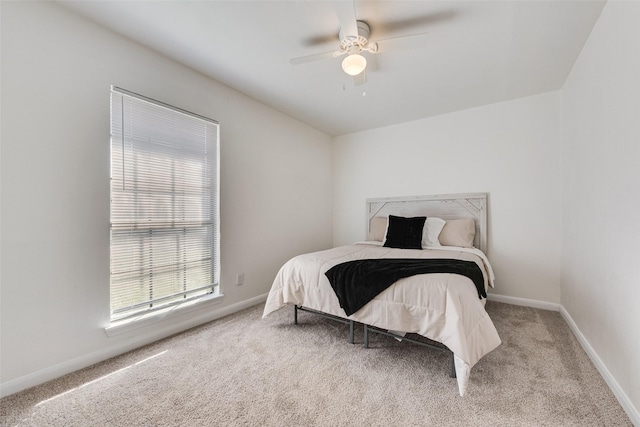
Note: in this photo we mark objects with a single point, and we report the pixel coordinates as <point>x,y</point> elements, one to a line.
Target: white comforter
<point>441,307</point>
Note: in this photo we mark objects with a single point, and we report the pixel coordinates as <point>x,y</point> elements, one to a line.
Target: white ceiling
<point>478,52</point>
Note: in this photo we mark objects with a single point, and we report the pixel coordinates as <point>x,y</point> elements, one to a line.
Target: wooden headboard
<point>445,206</point>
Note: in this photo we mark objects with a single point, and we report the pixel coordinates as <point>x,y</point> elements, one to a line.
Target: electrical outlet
<point>240,279</point>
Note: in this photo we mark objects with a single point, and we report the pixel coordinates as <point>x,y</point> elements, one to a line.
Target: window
<point>164,205</point>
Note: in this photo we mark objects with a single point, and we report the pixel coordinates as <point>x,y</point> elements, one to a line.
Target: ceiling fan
<point>354,40</point>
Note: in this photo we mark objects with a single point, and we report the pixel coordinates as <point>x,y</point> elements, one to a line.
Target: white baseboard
<point>623,399</point>
<point>190,321</point>
<point>543,305</point>
<point>632,412</point>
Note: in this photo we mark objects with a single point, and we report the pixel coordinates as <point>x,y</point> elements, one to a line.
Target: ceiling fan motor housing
<point>360,40</point>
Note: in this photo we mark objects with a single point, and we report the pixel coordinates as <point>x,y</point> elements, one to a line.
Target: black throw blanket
<point>358,282</point>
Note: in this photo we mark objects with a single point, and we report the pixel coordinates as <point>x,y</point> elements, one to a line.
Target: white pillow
<point>432,228</point>
<point>378,228</point>
<point>458,232</point>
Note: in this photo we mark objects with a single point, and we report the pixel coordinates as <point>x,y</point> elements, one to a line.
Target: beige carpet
<point>242,370</point>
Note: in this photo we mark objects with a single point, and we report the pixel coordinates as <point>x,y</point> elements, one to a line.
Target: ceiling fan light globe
<point>354,64</point>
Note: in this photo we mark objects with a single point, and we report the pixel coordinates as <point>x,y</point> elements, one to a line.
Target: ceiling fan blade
<point>412,41</point>
<point>315,57</point>
<point>360,79</point>
<point>320,40</point>
<point>346,11</point>
<point>423,21</point>
<point>372,63</point>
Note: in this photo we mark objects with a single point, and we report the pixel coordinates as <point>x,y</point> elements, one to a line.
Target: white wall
<point>56,72</point>
<point>510,150</point>
<point>601,194</point>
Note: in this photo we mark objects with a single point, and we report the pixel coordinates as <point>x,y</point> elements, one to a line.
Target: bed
<point>446,308</point>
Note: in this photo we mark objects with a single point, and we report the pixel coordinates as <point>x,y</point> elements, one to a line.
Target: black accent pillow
<point>405,233</point>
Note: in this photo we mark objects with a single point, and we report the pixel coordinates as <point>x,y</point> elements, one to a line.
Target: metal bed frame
<point>328,316</point>
<point>434,345</point>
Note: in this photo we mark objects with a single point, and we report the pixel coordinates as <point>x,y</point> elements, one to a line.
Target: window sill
<point>121,326</point>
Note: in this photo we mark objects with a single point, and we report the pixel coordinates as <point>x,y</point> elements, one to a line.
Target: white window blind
<point>164,205</point>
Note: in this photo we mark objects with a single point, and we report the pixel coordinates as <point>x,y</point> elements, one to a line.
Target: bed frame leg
<point>366,337</point>
<point>295,314</point>
<point>452,374</point>
<point>351,331</point>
